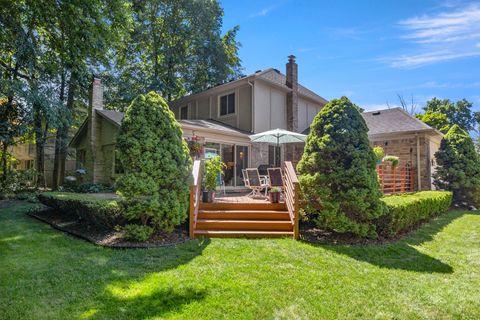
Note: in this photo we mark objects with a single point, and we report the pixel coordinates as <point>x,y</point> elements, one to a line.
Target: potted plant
<point>213,167</point>
<point>394,160</point>
<point>379,153</point>
<point>274,194</point>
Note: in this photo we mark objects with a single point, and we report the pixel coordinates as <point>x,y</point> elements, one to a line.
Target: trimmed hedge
<point>407,210</point>
<point>103,212</point>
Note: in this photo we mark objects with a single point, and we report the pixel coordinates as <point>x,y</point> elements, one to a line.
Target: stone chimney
<point>94,157</point>
<point>96,93</point>
<point>292,97</point>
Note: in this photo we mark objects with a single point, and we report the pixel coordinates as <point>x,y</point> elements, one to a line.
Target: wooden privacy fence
<point>396,179</point>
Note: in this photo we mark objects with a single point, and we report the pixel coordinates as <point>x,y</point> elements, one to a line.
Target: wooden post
<point>394,169</point>
<point>295,191</point>
<point>403,178</point>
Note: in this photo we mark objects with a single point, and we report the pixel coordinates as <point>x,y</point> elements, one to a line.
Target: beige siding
<point>208,107</point>
<point>307,111</point>
<point>270,108</point>
<point>203,108</point>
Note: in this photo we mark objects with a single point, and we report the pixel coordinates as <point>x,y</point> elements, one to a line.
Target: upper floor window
<point>227,104</point>
<point>184,112</point>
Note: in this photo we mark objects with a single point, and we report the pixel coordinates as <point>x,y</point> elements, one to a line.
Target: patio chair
<point>275,178</point>
<point>253,182</point>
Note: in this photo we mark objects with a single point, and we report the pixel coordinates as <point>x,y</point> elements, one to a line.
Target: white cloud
<point>442,37</point>
<point>263,12</point>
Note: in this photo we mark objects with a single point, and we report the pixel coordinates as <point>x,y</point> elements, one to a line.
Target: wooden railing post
<point>292,189</point>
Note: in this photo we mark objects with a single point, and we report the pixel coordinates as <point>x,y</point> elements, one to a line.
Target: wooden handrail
<point>291,195</point>
<point>195,189</point>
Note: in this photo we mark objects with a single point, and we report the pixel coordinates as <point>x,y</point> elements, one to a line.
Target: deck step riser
<point>244,225</point>
<point>243,235</point>
<point>242,206</point>
<point>245,215</point>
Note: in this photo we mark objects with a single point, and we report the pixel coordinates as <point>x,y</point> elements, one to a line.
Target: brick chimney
<point>95,103</point>
<point>292,97</point>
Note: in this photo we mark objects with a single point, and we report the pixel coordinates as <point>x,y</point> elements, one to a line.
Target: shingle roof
<point>213,125</point>
<point>112,115</point>
<point>270,75</point>
<point>116,117</point>
<point>394,120</point>
<point>391,121</point>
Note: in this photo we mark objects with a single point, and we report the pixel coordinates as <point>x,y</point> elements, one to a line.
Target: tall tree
<point>443,114</point>
<point>337,171</point>
<point>25,80</point>
<point>458,166</point>
<point>175,47</point>
<point>84,33</point>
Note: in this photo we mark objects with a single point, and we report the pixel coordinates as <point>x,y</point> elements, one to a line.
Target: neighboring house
<point>25,154</point>
<point>221,119</point>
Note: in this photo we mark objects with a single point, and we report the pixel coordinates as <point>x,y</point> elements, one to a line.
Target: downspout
<point>252,105</point>
<point>419,178</point>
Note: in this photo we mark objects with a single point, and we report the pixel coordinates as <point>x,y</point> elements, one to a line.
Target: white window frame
<point>219,105</point>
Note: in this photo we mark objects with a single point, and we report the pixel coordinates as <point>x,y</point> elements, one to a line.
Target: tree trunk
<point>40,148</point>
<point>4,161</point>
<point>61,138</point>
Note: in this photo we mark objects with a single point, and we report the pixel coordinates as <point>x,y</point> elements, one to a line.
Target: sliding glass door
<point>241,159</point>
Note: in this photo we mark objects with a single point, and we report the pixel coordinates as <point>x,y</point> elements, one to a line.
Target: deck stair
<point>243,220</point>
<point>247,218</point>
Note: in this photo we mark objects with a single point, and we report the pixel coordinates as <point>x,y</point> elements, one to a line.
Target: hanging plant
<point>195,148</point>
<point>379,153</point>
<point>394,160</point>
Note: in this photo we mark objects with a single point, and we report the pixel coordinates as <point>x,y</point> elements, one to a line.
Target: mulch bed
<point>103,236</point>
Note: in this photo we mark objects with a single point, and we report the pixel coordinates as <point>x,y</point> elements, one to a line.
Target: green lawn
<point>432,274</point>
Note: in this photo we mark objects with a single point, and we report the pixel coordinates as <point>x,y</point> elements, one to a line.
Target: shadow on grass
<point>401,254</point>
<point>155,304</point>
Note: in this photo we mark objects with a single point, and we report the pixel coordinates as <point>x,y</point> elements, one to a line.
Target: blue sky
<point>369,51</point>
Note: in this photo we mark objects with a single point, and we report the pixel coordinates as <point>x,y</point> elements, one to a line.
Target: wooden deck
<point>238,197</point>
<point>237,215</point>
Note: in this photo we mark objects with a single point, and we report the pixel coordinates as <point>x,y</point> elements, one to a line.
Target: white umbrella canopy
<point>278,136</point>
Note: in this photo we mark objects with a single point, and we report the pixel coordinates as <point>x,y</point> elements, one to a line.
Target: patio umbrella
<point>278,136</point>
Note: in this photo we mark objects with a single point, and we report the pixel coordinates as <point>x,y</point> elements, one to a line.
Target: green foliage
<point>17,181</point>
<point>337,171</point>
<point>458,166</point>
<point>87,188</point>
<point>101,211</point>
<point>443,114</point>
<point>173,47</point>
<point>213,167</point>
<point>137,233</point>
<point>407,210</point>
<point>435,120</point>
<point>379,153</point>
<point>156,162</point>
<point>275,190</point>
<point>394,160</point>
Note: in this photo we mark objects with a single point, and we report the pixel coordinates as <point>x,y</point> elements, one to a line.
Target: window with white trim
<point>227,104</point>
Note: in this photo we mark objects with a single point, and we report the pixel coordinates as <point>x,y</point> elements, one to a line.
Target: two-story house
<point>221,119</point>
